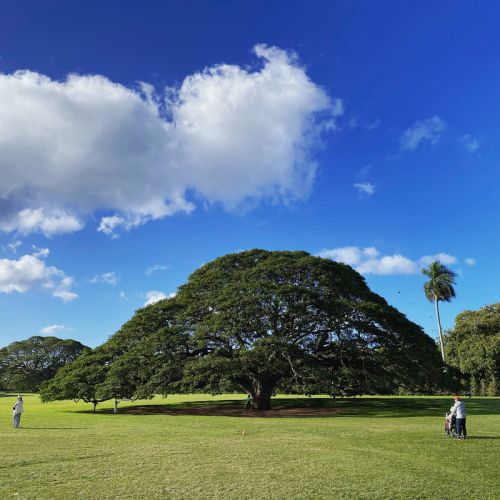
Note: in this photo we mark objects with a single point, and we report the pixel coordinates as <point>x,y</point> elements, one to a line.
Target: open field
<point>194,447</point>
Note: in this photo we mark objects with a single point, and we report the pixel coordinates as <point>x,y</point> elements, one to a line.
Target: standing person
<point>17,410</point>
<point>460,413</point>
<point>249,401</point>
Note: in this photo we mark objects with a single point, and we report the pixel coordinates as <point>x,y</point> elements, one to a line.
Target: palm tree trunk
<point>439,327</point>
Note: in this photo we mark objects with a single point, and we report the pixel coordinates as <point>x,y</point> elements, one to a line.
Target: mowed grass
<point>365,448</point>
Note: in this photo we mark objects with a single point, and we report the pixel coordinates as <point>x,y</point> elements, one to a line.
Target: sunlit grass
<point>366,448</point>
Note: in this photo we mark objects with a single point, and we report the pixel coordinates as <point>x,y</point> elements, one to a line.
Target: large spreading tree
<point>287,320</point>
<point>25,364</point>
<point>262,321</point>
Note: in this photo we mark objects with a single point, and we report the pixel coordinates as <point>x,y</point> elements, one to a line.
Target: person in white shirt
<point>17,411</point>
<point>460,413</point>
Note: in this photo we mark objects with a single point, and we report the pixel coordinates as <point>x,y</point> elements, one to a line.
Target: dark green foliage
<point>154,365</point>
<point>84,379</point>
<point>117,369</point>
<point>473,347</point>
<point>25,364</point>
<point>290,321</point>
<point>260,322</point>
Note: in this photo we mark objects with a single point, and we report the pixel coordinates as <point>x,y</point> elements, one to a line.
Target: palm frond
<point>441,281</point>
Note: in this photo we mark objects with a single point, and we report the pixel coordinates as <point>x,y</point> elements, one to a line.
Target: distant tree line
<point>25,364</point>
<point>473,349</point>
<point>260,322</point>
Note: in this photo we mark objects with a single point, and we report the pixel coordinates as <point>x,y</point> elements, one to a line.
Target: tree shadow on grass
<point>413,407</point>
<point>394,407</point>
<point>53,428</point>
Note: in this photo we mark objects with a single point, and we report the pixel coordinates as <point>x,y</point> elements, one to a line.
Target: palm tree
<point>439,287</point>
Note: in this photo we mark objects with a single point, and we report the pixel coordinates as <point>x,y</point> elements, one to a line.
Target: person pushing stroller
<point>459,414</point>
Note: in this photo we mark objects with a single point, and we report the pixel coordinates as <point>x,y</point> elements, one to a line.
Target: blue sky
<point>365,132</point>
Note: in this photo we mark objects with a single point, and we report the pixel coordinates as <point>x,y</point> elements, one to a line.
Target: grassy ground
<point>362,448</point>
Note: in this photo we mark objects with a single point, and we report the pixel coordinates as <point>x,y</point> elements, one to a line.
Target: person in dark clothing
<point>249,402</point>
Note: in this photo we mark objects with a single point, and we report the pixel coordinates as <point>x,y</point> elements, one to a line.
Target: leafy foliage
<point>263,321</point>
<point>25,364</point>
<point>290,321</point>
<point>115,369</point>
<point>81,380</point>
<point>473,346</point>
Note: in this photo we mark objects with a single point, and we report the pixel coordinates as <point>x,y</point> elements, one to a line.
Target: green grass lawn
<point>350,448</point>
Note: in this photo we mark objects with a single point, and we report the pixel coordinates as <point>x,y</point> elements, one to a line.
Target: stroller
<point>450,425</point>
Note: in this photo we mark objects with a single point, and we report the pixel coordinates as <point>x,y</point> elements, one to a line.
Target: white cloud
<point>30,272</point>
<point>470,261</point>
<point>40,252</point>
<point>48,222</point>
<point>65,295</point>
<point>14,246</point>
<point>122,295</point>
<point>424,130</point>
<point>365,187</point>
<point>369,260</point>
<point>109,278</point>
<point>470,143</point>
<point>229,135</point>
<point>442,257</point>
<point>386,265</point>
<point>155,268</point>
<point>347,255</point>
<point>154,296</point>
<point>54,329</point>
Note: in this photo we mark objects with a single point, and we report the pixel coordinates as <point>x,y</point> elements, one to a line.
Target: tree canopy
<point>25,364</point>
<point>262,321</point>
<point>473,346</point>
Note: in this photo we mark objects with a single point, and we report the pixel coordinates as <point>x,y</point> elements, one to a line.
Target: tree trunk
<point>262,396</point>
<point>439,327</point>
<point>94,403</point>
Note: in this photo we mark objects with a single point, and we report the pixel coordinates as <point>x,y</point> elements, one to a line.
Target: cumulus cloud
<point>442,257</point>
<point>470,261</point>
<point>425,130</point>
<point>369,260</point>
<point>87,145</point>
<point>154,296</point>
<point>365,187</point>
<point>155,268</point>
<point>31,272</point>
<point>109,278</point>
<point>470,143</point>
<point>41,220</point>
<point>54,329</point>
